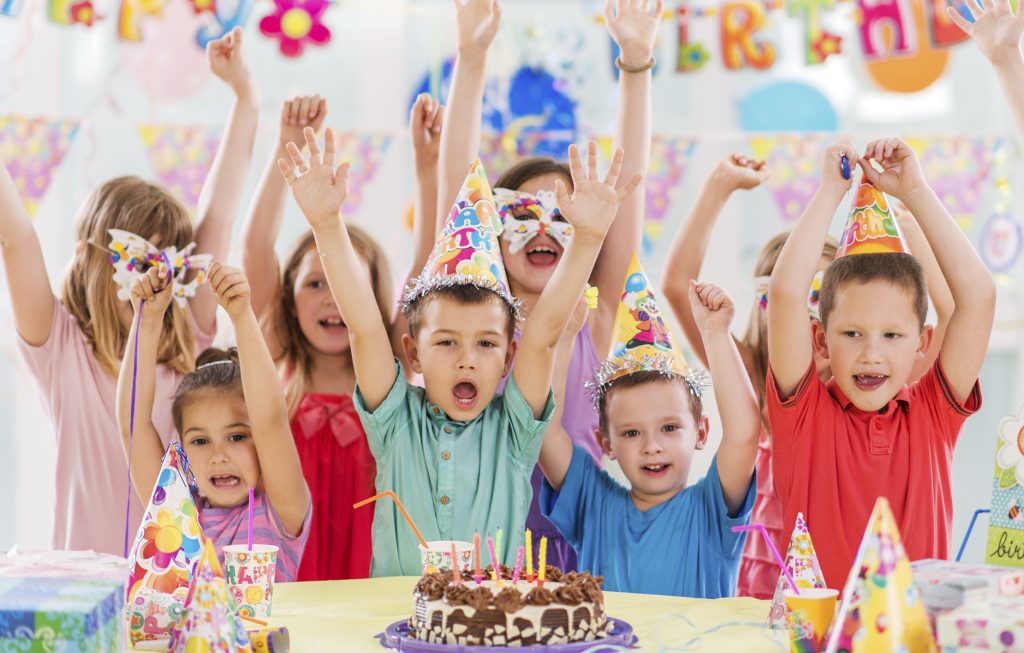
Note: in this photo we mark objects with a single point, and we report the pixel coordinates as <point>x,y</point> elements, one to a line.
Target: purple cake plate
<point>397,637</point>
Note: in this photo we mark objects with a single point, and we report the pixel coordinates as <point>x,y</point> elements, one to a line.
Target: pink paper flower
<point>295,22</point>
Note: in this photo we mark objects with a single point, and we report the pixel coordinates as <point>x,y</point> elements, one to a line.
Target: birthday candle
<point>476,556</point>
<point>519,566</point>
<point>529,553</point>
<point>542,565</point>
<point>495,571</point>
<point>456,576</point>
<point>497,546</point>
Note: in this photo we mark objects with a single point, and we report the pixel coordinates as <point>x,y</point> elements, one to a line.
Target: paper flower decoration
<point>692,57</point>
<point>295,23</point>
<point>84,13</point>
<point>200,6</point>
<point>1011,449</point>
<point>826,45</point>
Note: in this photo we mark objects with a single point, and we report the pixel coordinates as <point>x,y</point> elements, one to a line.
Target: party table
<point>347,616</point>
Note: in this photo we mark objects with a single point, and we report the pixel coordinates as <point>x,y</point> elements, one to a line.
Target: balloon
<point>166,63</point>
<point>787,107</point>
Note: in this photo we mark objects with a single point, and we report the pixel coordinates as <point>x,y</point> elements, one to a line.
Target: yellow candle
<point>529,553</point>
<point>497,548</point>
<point>543,558</point>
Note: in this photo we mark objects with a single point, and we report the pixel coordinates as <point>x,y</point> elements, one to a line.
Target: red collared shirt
<point>832,460</point>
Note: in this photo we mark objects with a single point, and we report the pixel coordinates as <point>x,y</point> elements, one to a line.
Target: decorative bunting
<point>957,168</point>
<point>364,150</point>
<point>32,148</point>
<point>669,158</point>
<point>1006,523</point>
<point>181,156</point>
<point>793,162</point>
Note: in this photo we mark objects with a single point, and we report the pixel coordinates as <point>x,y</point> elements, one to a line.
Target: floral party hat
<point>166,548</point>
<point>642,340</point>
<point>802,562</point>
<point>881,609</point>
<point>467,251</point>
<point>208,622</point>
<point>871,227</point>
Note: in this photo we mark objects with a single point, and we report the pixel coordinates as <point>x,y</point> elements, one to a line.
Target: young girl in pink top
<point>233,424</point>
<point>72,344</point>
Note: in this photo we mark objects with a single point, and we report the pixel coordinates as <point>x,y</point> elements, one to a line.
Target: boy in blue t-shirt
<point>660,536</point>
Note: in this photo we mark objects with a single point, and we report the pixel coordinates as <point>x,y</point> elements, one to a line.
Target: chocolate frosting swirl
<point>457,594</point>
<point>540,596</point>
<point>506,572</point>
<point>552,573</point>
<point>479,598</point>
<point>432,586</point>
<point>591,587</point>
<point>509,600</point>
<point>569,594</point>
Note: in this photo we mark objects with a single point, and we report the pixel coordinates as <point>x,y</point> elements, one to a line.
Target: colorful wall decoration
<point>181,157</point>
<point>364,150</point>
<point>1005,544</point>
<point>33,148</point>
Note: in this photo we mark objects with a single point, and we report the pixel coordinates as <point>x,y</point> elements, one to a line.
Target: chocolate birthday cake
<point>563,608</point>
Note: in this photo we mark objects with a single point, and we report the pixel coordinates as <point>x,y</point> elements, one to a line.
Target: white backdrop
<point>379,51</point>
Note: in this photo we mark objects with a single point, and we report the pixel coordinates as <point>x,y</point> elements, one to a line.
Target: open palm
<point>592,206</point>
<point>477,23</point>
<point>319,188</point>
<point>995,29</point>
<point>634,25</point>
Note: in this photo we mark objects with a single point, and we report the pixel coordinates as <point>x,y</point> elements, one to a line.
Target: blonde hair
<point>296,357</point>
<point>756,339</point>
<point>89,292</point>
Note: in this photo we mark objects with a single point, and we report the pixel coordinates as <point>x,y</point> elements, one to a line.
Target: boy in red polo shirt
<point>837,446</point>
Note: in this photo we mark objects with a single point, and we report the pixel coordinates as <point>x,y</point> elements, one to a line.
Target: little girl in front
<point>233,424</point>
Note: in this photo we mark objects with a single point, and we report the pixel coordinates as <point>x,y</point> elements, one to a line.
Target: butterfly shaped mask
<point>132,255</point>
<point>526,216</point>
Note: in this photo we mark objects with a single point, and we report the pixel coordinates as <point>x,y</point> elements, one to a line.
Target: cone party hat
<point>641,339</point>
<point>881,609</point>
<point>802,562</point>
<point>871,227</point>
<point>467,251</point>
<point>208,621</point>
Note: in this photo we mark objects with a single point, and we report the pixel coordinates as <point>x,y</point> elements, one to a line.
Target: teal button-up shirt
<point>454,478</point>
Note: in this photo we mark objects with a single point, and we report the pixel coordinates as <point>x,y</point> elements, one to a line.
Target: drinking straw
<point>253,620</point>
<point>775,552</point>
<point>967,536</point>
<point>408,519</point>
<point>252,500</point>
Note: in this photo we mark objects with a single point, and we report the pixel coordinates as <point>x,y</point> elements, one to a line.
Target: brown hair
<point>900,270</point>
<point>532,167</point>
<point>756,339</point>
<point>463,294</point>
<point>636,379</point>
<point>217,370</point>
<point>89,293</point>
<point>296,357</point>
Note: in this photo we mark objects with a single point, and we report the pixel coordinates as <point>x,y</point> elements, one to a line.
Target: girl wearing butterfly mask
<point>759,573</point>
<point>72,344</point>
<point>535,234</point>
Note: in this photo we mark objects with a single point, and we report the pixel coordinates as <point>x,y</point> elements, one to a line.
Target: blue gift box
<point>56,614</point>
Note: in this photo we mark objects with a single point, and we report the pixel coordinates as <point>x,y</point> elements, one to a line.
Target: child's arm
<point>974,291</point>
<point>144,450</point>
<point>222,191</point>
<point>263,222</point>
<point>425,122</point>
<point>320,191</point>
<point>686,254</point>
<point>789,331</point>
<point>27,281</point>
<point>938,289</point>
<point>997,31</point>
<point>590,210</point>
<point>741,420</point>
<point>634,27</point>
<point>280,468</point>
<point>476,24</point>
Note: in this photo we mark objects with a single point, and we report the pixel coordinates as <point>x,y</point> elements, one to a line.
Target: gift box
<point>995,624</point>
<point>945,584</point>
<point>60,614</point>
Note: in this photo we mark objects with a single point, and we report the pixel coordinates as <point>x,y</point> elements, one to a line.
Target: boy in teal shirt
<point>458,454</point>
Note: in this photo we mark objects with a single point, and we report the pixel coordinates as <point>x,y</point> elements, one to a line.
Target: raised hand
<point>226,59</point>
<point>739,172</point>
<point>319,188</point>
<point>996,30</point>
<point>476,23</point>
<point>592,206</point>
<point>634,26</point>
<point>155,288</point>
<point>901,171</point>
<point>297,114</point>
<point>831,165</point>
<point>712,308</point>
<point>231,289</point>
<point>425,121</point>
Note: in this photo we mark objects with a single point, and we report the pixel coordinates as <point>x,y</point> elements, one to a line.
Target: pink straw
<point>251,501</point>
<point>775,552</point>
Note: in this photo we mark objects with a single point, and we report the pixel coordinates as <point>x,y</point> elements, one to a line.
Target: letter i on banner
<point>131,14</point>
<point>690,57</point>
<point>739,22</point>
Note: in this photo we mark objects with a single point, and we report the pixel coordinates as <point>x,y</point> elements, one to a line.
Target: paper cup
<point>250,576</point>
<point>438,555</point>
<point>808,616</point>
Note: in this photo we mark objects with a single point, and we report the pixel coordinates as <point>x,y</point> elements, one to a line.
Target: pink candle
<point>496,572</point>
<point>519,565</point>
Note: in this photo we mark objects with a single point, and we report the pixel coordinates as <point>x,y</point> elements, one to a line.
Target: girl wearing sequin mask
<point>535,234</point>
<point>72,343</point>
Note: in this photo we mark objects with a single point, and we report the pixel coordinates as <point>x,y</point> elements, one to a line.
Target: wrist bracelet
<point>631,69</point>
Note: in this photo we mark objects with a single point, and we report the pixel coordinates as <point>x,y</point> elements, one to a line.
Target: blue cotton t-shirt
<point>683,547</point>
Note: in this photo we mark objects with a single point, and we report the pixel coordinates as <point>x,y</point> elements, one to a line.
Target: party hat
<point>871,227</point>
<point>467,251</point>
<point>641,339</point>
<point>208,621</point>
<point>168,543</point>
<point>881,609</point>
<point>802,562</point>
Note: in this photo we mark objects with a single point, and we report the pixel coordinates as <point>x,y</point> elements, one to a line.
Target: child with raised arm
<point>72,343</point>
<point>870,431</point>
<point>458,454</point>
<point>659,536</point>
<point>232,423</point>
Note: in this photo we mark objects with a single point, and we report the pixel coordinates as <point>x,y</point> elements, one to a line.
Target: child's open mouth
<point>869,382</point>
<point>464,394</point>
<point>655,470</point>
<point>332,323</point>
<point>542,256</point>
<point>225,481</point>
